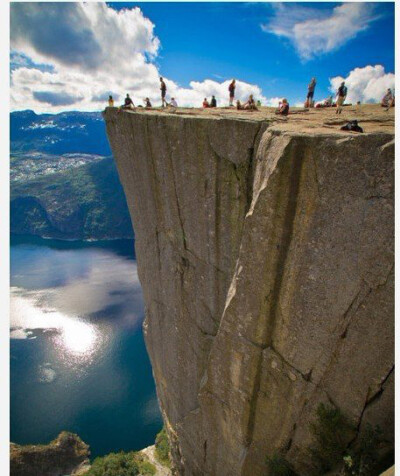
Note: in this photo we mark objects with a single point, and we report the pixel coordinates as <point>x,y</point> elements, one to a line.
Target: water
<point>78,359</point>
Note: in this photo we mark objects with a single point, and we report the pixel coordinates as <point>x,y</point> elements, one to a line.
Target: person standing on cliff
<point>310,92</point>
<point>163,89</point>
<point>341,96</point>
<point>231,89</point>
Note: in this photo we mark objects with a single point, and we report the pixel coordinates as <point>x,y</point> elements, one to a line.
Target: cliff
<point>67,454</point>
<point>265,254</point>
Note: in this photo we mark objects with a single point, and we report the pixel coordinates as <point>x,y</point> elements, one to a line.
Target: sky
<point>71,56</point>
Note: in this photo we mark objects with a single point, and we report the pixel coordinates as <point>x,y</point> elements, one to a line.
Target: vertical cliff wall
<point>265,254</point>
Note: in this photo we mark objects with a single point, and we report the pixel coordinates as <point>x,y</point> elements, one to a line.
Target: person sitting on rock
<point>147,103</point>
<point>128,103</point>
<point>388,99</point>
<point>173,103</point>
<point>283,108</point>
<point>213,102</point>
<point>206,103</point>
<point>325,103</point>
<point>239,105</point>
<point>250,104</point>
<point>110,101</point>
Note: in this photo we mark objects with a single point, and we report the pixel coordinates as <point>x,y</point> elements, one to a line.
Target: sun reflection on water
<point>78,339</point>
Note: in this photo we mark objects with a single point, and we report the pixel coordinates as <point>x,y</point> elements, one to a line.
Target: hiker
<point>310,93</point>
<point>163,89</point>
<point>250,104</point>
<point>173,103</point>
<point>341,96</point>
<point>213,102</point>
<point>231,89</point>
<point>352,126</point>
<point>110,101</point>
<point>205,103</point>
<point>258,103</point>
<point>283,108</point>
<point>388,99</point>
<point>147,102</point>
<point>128,103</point>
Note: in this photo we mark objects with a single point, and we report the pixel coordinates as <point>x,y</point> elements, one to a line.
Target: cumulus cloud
<point>90,36</point>
<point>315,32</point>
<point>73,55</point>
<point>367,84</point>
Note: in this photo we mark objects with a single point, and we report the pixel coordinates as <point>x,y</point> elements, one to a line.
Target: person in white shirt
<point>173,103</point>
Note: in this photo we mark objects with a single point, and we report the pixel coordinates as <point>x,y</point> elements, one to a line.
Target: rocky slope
<point>265,253</point>
<point>67,454</point>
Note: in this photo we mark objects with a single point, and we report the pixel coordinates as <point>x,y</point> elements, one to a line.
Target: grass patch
<point>121,464</point>
<point>163,448</point>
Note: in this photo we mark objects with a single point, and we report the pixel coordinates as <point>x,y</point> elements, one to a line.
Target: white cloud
<point>68,56</point>
<point>368,84</point>
<point>315,32</point>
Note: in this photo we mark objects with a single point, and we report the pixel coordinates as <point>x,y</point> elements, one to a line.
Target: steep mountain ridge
<point>265,253</point>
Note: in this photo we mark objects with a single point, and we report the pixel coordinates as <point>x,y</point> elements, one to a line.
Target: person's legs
<point>340,102</point>
<point>231,98</point>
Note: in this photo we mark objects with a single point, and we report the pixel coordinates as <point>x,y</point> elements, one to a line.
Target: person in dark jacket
<point>231,89</point>
<point>163,89</point>
<point>213,102</point>
<point>283,108</point>
<point>128,103</point>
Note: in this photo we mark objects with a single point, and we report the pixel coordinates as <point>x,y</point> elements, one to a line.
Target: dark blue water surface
<point>78,359</point>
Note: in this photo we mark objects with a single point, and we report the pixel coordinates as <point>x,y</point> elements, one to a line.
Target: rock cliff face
<point>265,253</point>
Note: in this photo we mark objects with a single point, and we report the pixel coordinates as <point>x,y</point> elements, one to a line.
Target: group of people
<point>251,105</point>
<point>341,94</point>
<point>128,103</point>
<point>212,103</point>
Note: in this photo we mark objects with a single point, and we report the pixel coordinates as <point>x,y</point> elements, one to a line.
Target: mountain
<point>67,132</point>
<point>64,183</point>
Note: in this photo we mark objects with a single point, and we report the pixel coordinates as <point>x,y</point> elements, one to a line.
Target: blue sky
<point>224,40</point>
<point>272,48</point>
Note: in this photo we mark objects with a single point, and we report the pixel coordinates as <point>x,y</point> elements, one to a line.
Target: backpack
<point>352,126</point>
